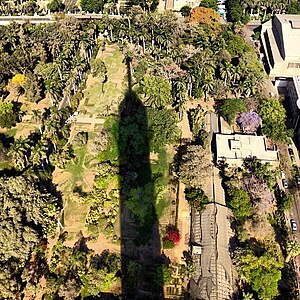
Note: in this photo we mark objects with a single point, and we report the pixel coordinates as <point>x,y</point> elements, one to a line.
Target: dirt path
<point>176,254</point>
<point>99,245</point>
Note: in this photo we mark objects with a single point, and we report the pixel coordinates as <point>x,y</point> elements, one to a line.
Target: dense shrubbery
<point>196,198</point>
<point>47,65</point>
<point>258,257</point>
<point>273,117</point>
<point>231,107</point>
<point>77,271</point>
<point>8,114</point>
<point>171,238</point>
<point>28,214</point>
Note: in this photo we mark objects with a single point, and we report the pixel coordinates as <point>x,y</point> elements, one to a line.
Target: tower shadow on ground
<point>142,275</point>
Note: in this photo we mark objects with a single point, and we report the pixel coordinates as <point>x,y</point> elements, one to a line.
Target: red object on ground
<point>173,234</point>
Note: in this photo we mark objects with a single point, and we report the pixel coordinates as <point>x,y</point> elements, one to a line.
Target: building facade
<point>293,97</point>
<point>280,40</point>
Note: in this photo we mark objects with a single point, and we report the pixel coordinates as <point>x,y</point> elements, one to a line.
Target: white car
<point>294,225</point>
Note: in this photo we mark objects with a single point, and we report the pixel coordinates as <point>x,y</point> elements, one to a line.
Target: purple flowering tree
<point>249,122</point>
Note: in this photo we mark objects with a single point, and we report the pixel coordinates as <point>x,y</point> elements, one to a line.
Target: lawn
<point>160,170</point>
<point>100,103</point>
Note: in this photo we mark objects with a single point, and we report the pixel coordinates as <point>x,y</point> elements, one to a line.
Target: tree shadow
<point>141,260</point>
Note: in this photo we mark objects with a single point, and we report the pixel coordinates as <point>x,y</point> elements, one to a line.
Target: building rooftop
<point>280,39</point>
<point>290,27</point>
<point>235,148</point>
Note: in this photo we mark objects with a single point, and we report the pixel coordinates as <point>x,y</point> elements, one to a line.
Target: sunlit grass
<point>97,102</point>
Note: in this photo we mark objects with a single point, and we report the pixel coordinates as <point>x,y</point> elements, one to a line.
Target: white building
<point>281,43</point>
<point>176,4</point>
<point>234,149</point>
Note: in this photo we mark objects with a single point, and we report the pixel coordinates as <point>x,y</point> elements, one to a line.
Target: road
<point>5,20</point>
<point>294,212</point>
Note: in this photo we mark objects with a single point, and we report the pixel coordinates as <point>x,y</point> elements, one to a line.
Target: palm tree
<point>37,118</point>
<point>293,249</point>
<point>236,73</point>
<point>159,38</point>
<point>110,27</point>
<point>19,152</point>
<point>190,81</point>
<point>122,33</point>
<point>85,47</point>
<point>238,89</point>
<point>226,71</point>
<point>179,94</point>
<point>143,35</point>
<point>38,153</point>
<point>207,86</point>
<point>54,88</point>
<point>250,87</point>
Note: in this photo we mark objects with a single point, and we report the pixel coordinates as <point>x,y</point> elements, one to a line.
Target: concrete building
<point>280,40</point>
<point>176,4</point>
<point>293,97</point>
<point>234,149</point>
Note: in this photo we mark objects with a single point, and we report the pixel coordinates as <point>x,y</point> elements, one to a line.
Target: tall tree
<point>273,117</point>
<point>157,91</point>
<point>293,249</point>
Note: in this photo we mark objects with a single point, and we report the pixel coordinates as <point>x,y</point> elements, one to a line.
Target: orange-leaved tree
<point>203,15</point>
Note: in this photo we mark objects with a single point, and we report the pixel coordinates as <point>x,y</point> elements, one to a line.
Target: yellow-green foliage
<point>18,79</point>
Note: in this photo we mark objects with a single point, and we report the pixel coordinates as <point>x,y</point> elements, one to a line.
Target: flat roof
<point>290,26</point>
<point>240,147</point>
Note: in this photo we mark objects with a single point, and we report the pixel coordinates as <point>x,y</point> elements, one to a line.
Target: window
<point>293,65</point>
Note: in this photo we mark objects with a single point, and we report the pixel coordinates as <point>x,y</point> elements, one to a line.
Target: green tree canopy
<point>157,91</point>
<point>99,69</point>
<point>162,126</point>
<point>196,198</point>
<point>54,5</point>
<point>185,10</point>
<point>239,201</point>
<point>235,10</point>
<point>293,249</point>
<point>273,117</point>
<point>27,214</point>
<point>262,271</point>
<point>8,117</point>
<point>231,107</point>
<point>140,202</point>
<point>33,87</point>
<point>209,4</point>
<point>91,5</point>
<point>293,8</point>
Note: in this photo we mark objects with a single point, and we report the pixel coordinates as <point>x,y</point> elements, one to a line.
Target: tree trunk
<point>144,45</point>
<point>265,14</point>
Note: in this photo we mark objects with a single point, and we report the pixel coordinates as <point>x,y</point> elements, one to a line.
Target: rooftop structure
<point>234,149</point>
<point>280,39</point>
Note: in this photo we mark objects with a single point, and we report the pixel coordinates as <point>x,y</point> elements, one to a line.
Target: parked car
<point>297,180</point>
<point>285,184</point>
<point>282,175</point>
<point>294,225</point>
<point>291,152</point>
